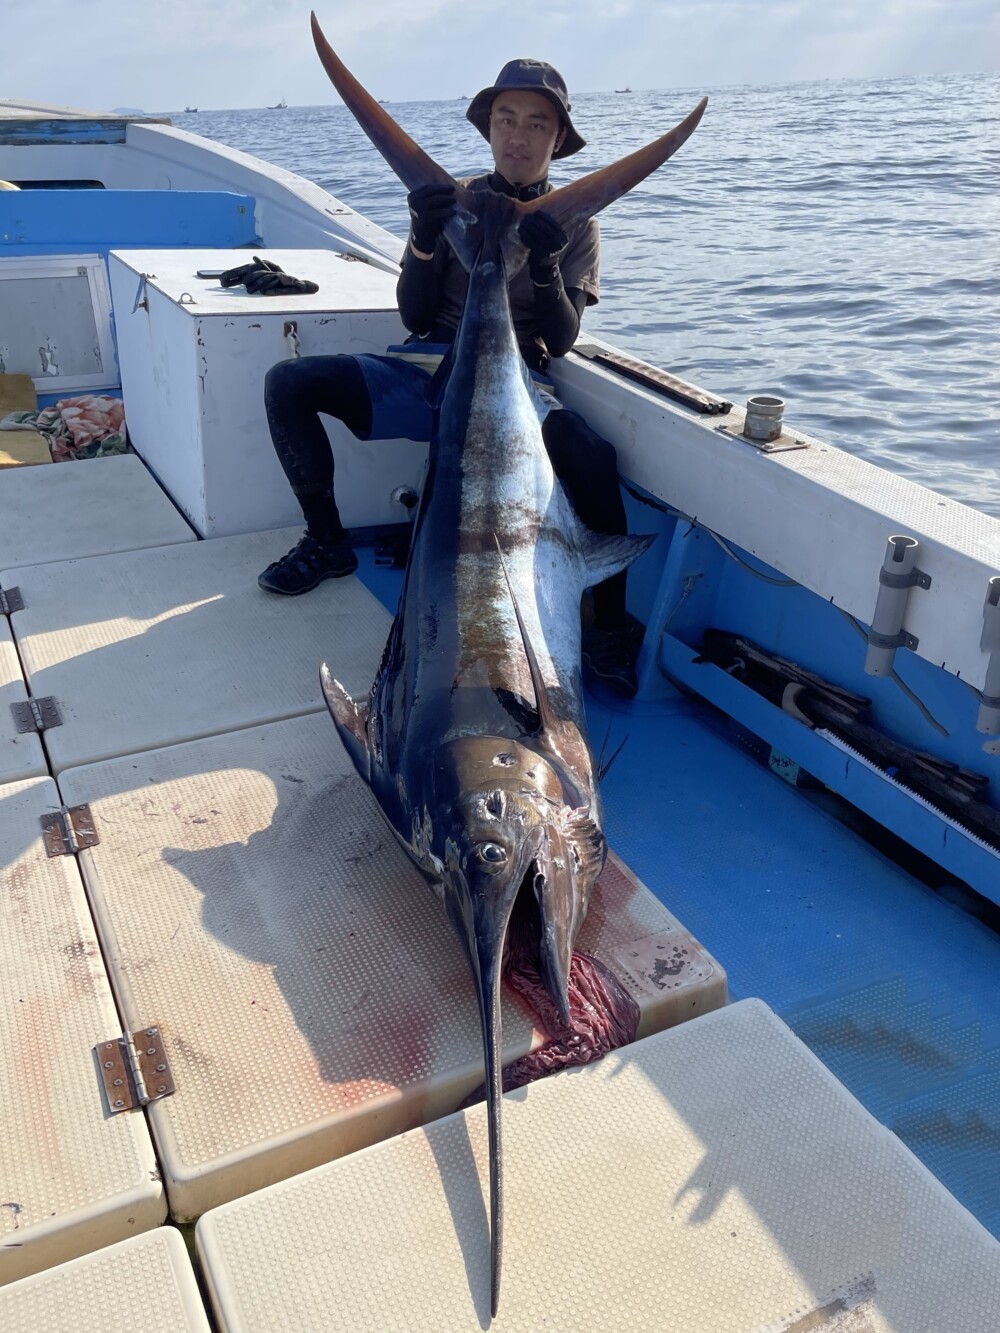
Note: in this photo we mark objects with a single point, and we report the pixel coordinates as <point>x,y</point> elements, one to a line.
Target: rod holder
<point>989,709</point>
<point>899,573</point>
<point>763,419</point>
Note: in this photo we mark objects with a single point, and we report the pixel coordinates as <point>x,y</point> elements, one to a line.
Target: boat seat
<point>48,222</point>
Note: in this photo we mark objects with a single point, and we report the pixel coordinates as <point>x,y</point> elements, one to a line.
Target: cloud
<point>241,53</point>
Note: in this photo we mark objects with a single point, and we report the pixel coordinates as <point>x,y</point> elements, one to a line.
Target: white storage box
<point>193,359</point>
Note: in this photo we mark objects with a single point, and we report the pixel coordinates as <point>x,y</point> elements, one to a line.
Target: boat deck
<point>894,988</point>
<point>193,726</point>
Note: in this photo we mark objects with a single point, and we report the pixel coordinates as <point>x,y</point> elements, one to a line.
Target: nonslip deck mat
<point>21,753</point>
<point>714,1178</point>
<point>146,1284</point>
<point>84,508</point>
<point>72,1177</point>
<point>312,995</point>
<point>155,647</point>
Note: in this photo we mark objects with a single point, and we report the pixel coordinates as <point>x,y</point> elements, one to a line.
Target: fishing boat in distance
<point>189,109</point>
<point>229,1001</point>
<point>279,106</point>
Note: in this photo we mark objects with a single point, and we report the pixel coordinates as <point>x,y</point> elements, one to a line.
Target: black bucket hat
<point>529,76</point>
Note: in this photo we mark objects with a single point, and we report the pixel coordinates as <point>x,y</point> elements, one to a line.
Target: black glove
<point>430,208</point>
<point>546,241</point>
<point>235,277</point>
<point>265,278</point>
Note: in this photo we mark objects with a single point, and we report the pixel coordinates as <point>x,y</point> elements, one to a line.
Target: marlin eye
<point>491,853</point>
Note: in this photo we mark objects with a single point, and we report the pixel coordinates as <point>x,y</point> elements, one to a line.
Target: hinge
<point>134,1069</point>
<point>68,830</point>
<point>11,601</point>
<point>36,714</point>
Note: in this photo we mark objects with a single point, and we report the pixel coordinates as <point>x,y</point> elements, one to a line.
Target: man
<point>525,117</point>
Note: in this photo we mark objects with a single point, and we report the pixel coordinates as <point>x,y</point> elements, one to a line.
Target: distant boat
<point>623,90</point>
<point>278,106</point>
<point>190,108</point>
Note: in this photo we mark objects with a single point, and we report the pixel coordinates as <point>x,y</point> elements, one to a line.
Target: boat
<point>189,109</point>
<point>279,106</point>
<point>228,1004</point>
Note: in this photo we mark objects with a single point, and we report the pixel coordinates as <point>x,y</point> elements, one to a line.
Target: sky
<point>168,54</point>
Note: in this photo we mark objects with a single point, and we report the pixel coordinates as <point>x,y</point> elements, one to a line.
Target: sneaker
<point>306,565</point>
<point>609,659</point>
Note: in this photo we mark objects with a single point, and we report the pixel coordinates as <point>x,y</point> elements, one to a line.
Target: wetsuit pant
<point>384,398</point>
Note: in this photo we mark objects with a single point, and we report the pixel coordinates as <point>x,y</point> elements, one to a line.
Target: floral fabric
<point>87,427</point>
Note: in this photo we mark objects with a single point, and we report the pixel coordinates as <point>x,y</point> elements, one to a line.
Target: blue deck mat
<point>895,990</point>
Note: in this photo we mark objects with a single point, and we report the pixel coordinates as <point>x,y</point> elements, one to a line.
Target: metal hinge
<point>68,830</point>
<point>134,1069</point>
<point>11,601</point>
<point>36,714</point>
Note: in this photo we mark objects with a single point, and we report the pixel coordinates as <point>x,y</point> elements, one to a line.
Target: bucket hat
<point>529,76</point>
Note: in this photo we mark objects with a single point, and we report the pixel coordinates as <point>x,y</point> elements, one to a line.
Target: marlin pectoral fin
<point>548,722</point>
<point>606,555</point>
<point>350,719</point>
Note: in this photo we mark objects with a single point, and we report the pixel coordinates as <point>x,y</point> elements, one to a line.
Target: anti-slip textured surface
<point>72,1177</point>
<point>153,647</point>
<point>314,998</point>
<point>146,1284</point>
<point>20,752</point>
<point>714,1177</point>
<point>79,509</point>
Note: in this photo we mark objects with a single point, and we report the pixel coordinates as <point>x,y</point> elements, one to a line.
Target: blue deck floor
<point>895,989</point>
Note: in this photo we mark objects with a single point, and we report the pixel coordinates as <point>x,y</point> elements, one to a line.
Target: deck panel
<point>895,989</point>
<point>161,646</point>
<point>712,1177</point>
<point>312,995</point>
<point>67,511</point>
<point>73,1177</point>
<point>21,754</point>
<point>143,1283</point>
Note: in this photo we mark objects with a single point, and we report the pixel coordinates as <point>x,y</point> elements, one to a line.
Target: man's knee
<point>574,446</point>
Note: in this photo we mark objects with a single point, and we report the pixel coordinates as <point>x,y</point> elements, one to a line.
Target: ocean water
<point>835,243</point>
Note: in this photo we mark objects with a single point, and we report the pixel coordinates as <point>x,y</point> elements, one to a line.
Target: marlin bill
<point>473,738</point>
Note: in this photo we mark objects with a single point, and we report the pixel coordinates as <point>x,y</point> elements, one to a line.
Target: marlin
<point>473,738</point>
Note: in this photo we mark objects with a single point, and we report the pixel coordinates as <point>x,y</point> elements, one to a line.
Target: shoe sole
<point>297,592</point>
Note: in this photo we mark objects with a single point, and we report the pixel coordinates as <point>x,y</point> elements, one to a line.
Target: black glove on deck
<point>430,208</point>
<point>265,278</point>
<point>546,241</point>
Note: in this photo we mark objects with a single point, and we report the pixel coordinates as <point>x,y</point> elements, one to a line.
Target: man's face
<point>525,130</point>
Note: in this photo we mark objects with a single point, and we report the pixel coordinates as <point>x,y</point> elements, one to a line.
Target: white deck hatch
<point>20,752</point>
<point>149,648</point>
<point>73,1177</point>
<point>67,511</point>
<point>146,1283</point>
<point>714,1177</point>
<point>312,995</point>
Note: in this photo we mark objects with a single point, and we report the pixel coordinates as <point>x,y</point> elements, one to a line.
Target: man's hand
<point>546,241</point>
<point>430,208</point>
